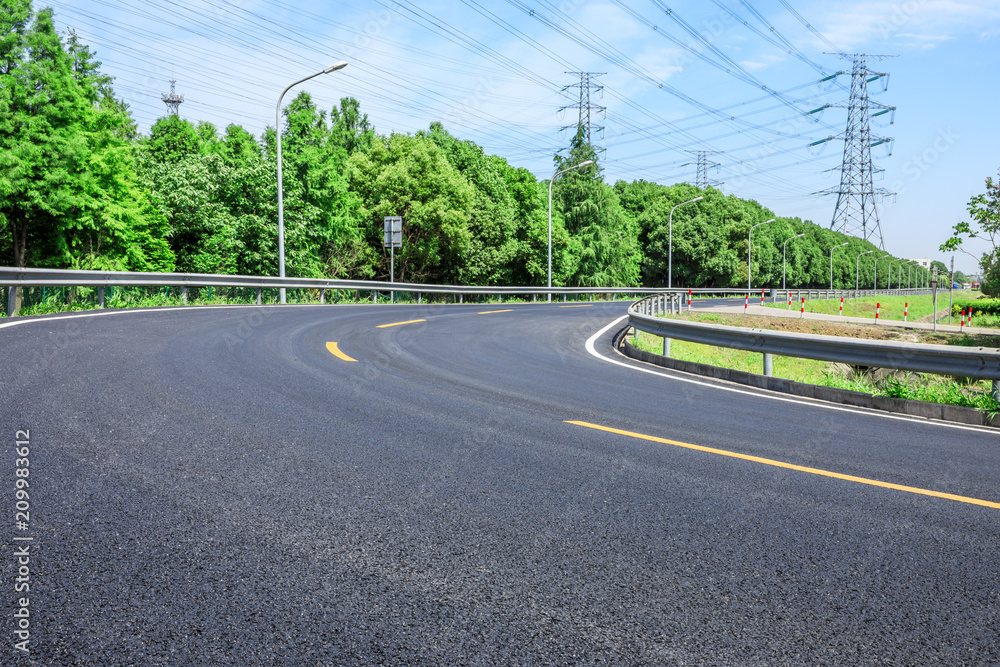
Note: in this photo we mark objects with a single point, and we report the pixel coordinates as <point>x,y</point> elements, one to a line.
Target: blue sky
<point>497,73</point>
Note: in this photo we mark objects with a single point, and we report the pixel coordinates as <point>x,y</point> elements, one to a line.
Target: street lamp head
<point>584,164</point>
<point>334,67</point>
<point>698,198</point>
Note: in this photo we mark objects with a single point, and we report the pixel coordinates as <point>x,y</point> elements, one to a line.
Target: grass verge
<point>877,382</point>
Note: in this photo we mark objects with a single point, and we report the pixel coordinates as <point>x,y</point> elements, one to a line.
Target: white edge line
<point>769,395</point>
<point>53,317</point>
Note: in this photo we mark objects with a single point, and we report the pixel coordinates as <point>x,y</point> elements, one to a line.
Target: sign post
<point>392,238</point>
<point>934,286</point>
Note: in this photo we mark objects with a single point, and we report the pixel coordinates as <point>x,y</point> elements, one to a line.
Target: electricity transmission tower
<point>587,111</point>
<point>856,213</point>
<point>172,99</point>
<point>703,165</point>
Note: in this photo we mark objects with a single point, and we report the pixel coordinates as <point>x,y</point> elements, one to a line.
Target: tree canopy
<point>81,187</point>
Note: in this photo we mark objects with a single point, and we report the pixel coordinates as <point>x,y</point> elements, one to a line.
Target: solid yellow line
<point>487,312</point>
<point>396,324</point>
<point>336,351</point>
<point>792,466</point>
<point>585,305</point>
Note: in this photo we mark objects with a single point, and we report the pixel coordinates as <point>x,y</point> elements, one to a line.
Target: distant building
<point>924,262</point>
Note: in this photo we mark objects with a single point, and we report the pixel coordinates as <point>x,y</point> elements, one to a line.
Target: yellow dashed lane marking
<point>488,312</point>
<point>336,352</point>
<point>792,466</point>
<point>396,324</point>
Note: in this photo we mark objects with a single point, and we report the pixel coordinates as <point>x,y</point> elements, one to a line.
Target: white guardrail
<point>28,277</point>
<point>980,363</point>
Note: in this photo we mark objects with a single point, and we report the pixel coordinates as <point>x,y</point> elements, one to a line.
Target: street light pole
<point>857,268</point>
<point>551,181</point>
<point>875,286</point>
<point>750,247</point>
<point>670,242</point>
<point>831,263</point>
<point>281,205</point>
<point>783,247</point>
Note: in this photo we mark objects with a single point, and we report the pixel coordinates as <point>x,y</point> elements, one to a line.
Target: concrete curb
<point>951,413</point>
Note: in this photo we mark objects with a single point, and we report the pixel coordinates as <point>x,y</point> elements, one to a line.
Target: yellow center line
<point>792,466</point>
<point>488,312</point>
<point>336,352</point>
<point>396,324</point>
<point>584,305</point>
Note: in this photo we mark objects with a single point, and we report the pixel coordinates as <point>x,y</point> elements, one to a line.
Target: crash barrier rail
<point>27,277</point>
<point>980,363</point>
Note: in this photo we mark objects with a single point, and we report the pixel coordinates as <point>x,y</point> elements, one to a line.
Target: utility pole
<point>172,99</point>
<point>855,213</point>
<point>702,165</point>
<point>587,111</point>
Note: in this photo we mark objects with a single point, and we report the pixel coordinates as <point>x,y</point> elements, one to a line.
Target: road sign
<point>393,231</point>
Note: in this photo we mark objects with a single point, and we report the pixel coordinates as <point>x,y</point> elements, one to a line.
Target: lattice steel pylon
<point>702,165</point>
<point>856,213</point>
<point>172,99</point>
<point>587,110</point>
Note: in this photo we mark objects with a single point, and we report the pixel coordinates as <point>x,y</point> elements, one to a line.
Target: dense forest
<point>80,187</point>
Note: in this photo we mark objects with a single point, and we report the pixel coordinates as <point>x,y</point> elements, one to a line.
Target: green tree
<point>410,176</point>
<point>984,209</point>
<point>42,148</point>
<point>607,236</point>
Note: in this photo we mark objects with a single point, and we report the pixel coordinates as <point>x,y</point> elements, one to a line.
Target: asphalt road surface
<point>302,485</point>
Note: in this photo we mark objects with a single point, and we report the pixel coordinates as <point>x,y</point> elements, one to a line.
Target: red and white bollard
<point>970,318</point>
<point>746,304</point>
<point>689,299</point>
<point>961,322</point>
<point>841,306</point>
<point>802,313</point>
<point>877,307</point>
<point>906,310</point>
<point>762,297</point>
<point>789,301</point>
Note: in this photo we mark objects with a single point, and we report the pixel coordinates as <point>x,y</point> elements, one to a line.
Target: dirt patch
<point>825,328</point>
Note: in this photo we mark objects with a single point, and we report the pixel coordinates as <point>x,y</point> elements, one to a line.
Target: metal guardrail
<point>25,277</point>
<point>981,363</point>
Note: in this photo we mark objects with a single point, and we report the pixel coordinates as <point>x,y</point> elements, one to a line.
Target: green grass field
<point>915,386</point>
<point>891,307</point>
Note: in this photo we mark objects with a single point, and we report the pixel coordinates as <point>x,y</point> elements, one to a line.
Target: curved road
<point>215,486</point>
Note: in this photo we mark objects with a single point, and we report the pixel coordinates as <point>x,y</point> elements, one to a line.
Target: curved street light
<point>281,206</point>
<point>831,262</point>
<point>551,181</point>
<point>783,248</point>
<point>857,267</point>
<point>876,269</point>
<point>670,242</point>
<point>750,247</point>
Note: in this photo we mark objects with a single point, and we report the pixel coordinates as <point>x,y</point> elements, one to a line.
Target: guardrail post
<point>666,347</point>
<point>767,364</point>
<point>258,296</point>
<point>995,391</point>
<point>419,295</point>
<point>184,294</point>
<point>100,296</point>
<point>322,297</point>
<point>374,296</point>
<point>564,298</point>
<point>460,299</point>
<point>11,301</point>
